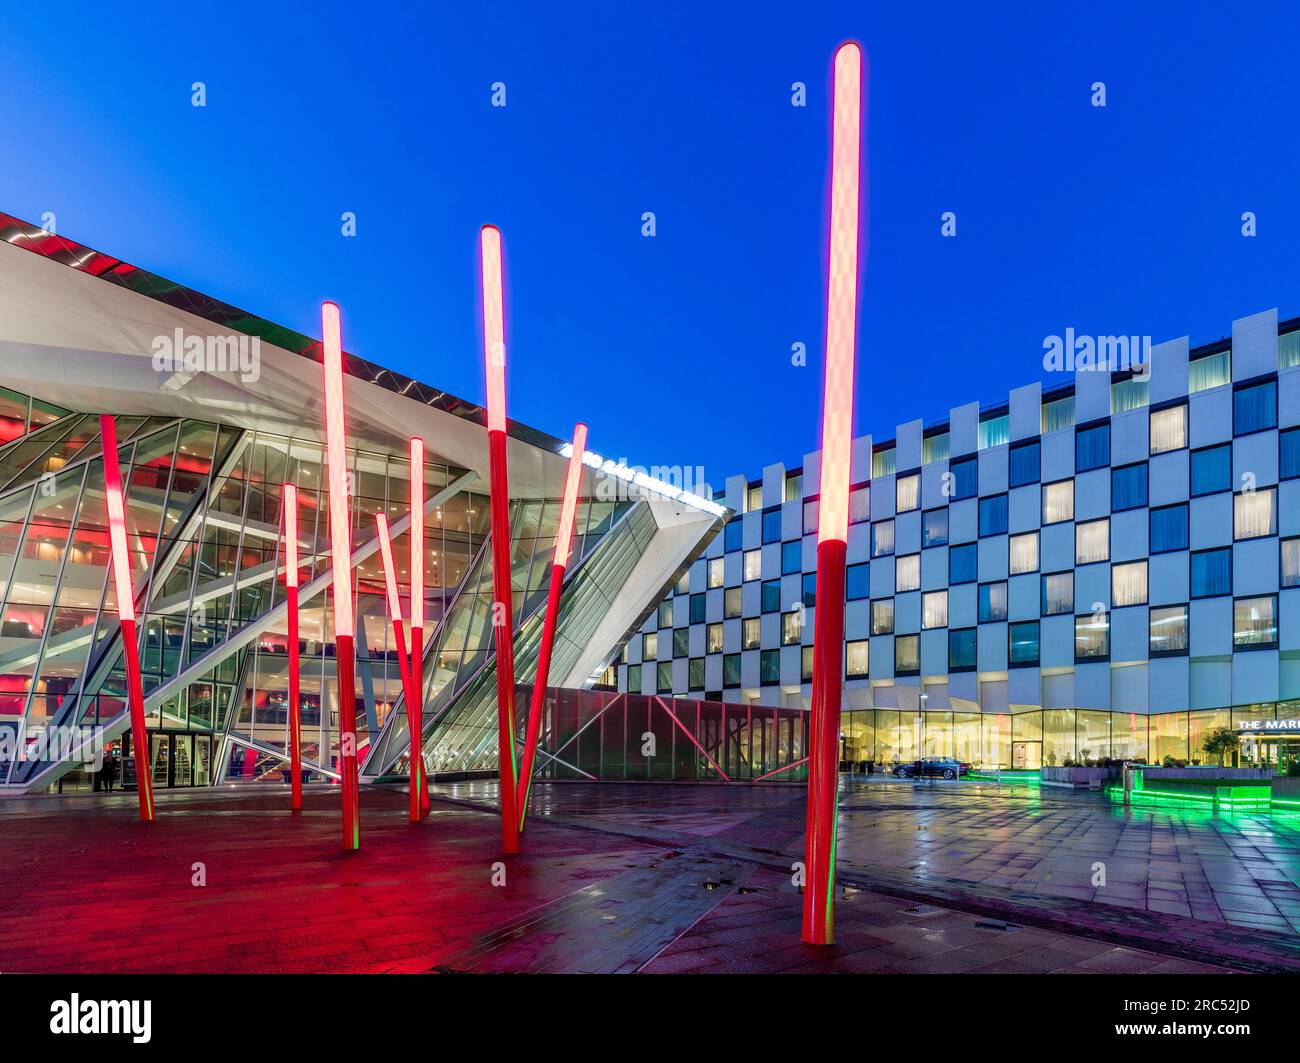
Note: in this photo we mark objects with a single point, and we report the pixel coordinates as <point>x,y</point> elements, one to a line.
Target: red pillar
<point>563,540</point>
<point>415,695</point>
<point>291,599</point>
<point>494,351</point>
<point>126,616</point>
<point>341,568</point>
<point>832,531</point>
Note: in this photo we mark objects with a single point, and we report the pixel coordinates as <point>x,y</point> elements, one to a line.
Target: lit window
<point>713,638</point>
<point>684,583</point>
<point>650,646</point>
<point>749,633</point>
<point>1169,631</point>
<point>811,512</point>
<point>907,490</point>
<point>1023,553</point>
<point>856,656</point>
<point>907,573</point>
<point>859,504</point>
<point>1091,637</point>
<point>1254,622</point>
<point>666,614</point>
<point>882,538</point>
<point>1128,584</point>
<point>934,609</point>
<point>1058,414</point>
<point>1291,555</point>
<point>934,448</point>
<point>1058,593</point>
<point>753,498</point>
<point>994,431</point>
<point>731,602</point>
<point>882,463</point>
<point>1058,502</point>
<point>715,572</point>
<point>793,486</point>
<point>1092,542</point>
<point>992,602</point>
<point>753,564</point>
<point>1209,371</point>
<point>1169,429</point>
<point>1254,513</point>
<point>907,654</point>
<point>805,664</point>
<point>882,617</point>
<point>1131,393</point>
<point>792,628</point>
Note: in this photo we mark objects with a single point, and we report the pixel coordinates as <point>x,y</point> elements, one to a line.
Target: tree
<point>1220,742</point>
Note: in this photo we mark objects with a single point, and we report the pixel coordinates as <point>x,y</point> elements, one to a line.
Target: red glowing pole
<point>399,638</point>
<point>563,539</point>
<point>126,616</point>
<point>494,352</point>
<point>341,566</point>
<point>832,530</point>
<point>291,598</point>
<point>415,699</point>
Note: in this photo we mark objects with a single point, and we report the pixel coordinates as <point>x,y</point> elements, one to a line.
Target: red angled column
<point>126,616</point>
<point>399,634</point>
<point>832,531</point>
<point>563,540</point>
<point>494,352</point>
<point>415,699</point>
<point>291,600</point>
<point>341,567</point>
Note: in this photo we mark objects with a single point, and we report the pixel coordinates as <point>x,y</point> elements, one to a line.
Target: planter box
<point>1208,773</point>
<point>1083,778</point>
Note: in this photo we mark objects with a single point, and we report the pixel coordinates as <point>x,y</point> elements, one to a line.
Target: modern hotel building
<point>1108,566</point>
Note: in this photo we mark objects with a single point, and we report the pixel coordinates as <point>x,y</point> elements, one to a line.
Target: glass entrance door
<point>182,759</point>
<point>1027,755</point>
<point>202,761</point>
<point>160,759</point>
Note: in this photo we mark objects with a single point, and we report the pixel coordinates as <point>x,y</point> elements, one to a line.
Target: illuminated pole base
<point>139,735</point>
<point>344,664</point>
<point>295,707</point>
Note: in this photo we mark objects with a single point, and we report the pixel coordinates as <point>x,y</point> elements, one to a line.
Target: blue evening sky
<point>676,349</point>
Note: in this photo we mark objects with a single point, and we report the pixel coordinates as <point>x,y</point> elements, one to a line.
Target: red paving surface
<point>84,887</point>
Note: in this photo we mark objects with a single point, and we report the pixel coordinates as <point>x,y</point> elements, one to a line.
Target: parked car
<point>932,767</point>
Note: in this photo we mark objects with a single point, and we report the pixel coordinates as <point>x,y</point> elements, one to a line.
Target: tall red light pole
<point>563,539</point>
<point>415,699</point>
<point>341,567</point>
<point>291,600</point>
<point>126,616</point>
<point>494,355</point>
<point>833,523</point>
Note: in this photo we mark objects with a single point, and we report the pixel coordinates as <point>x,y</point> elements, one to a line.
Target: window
<point>713,638</point>
<point>791,557</point>
<point>907,655</point>
<point>650,646</point>
<point>769,667</point>
<point>731,670</point>
<point>1024,464</point>
<point>934,448</point>
<point>753,567</point>
<point>856,584</point>
<point>992,602</point>
<point>809,589</point>
<point>1058,502</point>
<point>1169,429</point>
<point>664,677</point>
<point>1254,407</point>
<point>1254,513</point>
<point>1169,528</point>
<point>855,659</point>
<point>753,498</point>
<point>684,584</point>
<point>1128,584</point>
<point>634,678</point>
<point>715,572</point>
<point>883,461</point>
<point>961,649</point>
<point>934,527</point>
<point>963,563</point>
<point>1288,444</point>
<point>1169,631</point>
<point>882,617</point>
<point>1254,623</point>
<point>772,526</point>
<point>993,515</point>
<point>793,486</point>
<point>1091,447</point>
<point>907,492</point>
<point>750,633</point>
<point>1211,470</point>
<point>731,602</point>
<point>1128,487</point>
<point>695,673</point>
<point>1288,349</point>
<point>907,573</point>
<point>1058,413</point>
<point>994,431</point>
<point>1209,371</point>
<point>964,478</point>
<point>1092,541</point>
<point>805,664</point>
<point>666,614</point>
<point>791,628</point>
<point>697,608</point>
<point>934,609</point>
<point>1058,593</point>
<point>1023,553</point>
<point>771,596</point>
<point>1290,575</point>
<point>681,642</point>
<point>811,512</point>
<point>733,537</point>
<point>1022,643</point>
<point>860,504</point>
<point>1212,572</point>
<point>1128,392</point>
<point>882,538</point>
<point>1091,637</point>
